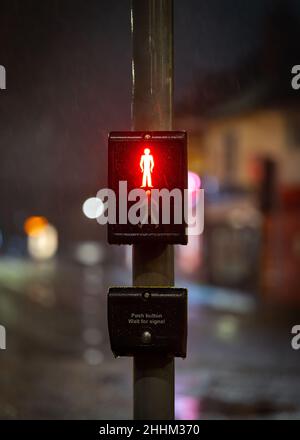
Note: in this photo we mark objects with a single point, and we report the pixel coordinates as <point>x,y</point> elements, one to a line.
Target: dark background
<point>68,66</point>
<point>69,84</point>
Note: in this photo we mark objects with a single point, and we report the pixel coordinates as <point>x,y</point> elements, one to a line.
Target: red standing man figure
<point>147,165</point>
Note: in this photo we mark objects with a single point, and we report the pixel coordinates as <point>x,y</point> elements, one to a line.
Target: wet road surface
<point>58,365</point>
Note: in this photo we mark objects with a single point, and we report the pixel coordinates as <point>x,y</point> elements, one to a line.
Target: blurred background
<point>68,67</point>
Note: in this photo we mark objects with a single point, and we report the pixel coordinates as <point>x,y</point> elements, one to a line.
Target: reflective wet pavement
<point>58,364</point>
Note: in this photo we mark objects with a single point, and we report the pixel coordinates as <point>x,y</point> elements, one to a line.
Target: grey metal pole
<point>153,265</point>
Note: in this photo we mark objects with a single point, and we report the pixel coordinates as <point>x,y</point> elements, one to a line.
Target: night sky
<point>69,84</point>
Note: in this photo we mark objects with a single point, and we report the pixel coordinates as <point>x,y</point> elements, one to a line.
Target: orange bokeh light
<point>35,225</point>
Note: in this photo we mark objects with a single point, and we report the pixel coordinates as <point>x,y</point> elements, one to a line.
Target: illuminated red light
<point>147,165</point>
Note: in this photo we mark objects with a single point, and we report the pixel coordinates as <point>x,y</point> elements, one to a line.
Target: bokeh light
<point>194,181</point>
<point>34,225</point>
<point>93,207</point>
<point>43,243</point>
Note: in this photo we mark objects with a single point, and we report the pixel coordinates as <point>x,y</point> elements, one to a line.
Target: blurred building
<point>244,141</point>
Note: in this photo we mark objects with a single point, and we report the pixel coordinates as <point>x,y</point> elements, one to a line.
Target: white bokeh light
<point>44,244</point>
<point>93,207</point>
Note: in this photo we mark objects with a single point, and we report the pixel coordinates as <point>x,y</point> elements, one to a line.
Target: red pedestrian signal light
<point>155,162</point>
<point>147,165</point>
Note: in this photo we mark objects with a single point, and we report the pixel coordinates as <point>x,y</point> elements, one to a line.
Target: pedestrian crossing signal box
<point>156,163</point>
<point>147,320</point>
